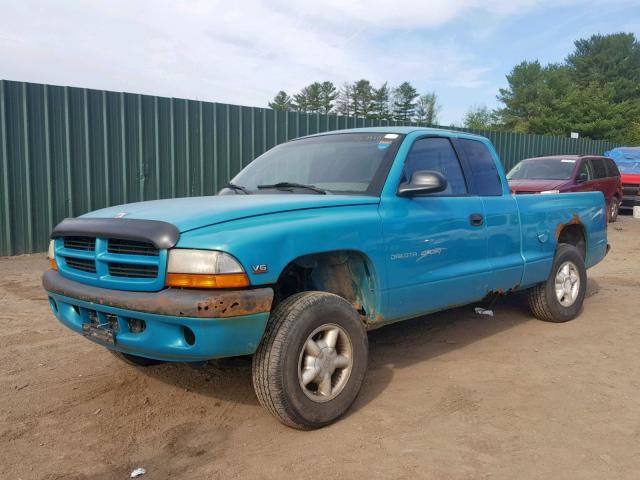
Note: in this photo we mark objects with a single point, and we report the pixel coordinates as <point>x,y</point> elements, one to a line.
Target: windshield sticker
<point>385,143</point>
<point>567,160</point>
<point>391,136</point>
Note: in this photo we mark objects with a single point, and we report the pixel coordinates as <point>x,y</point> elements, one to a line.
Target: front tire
<point>560,298</point>
<point>312,360</point>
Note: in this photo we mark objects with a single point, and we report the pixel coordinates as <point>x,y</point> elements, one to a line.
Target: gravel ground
<point>448,396</point>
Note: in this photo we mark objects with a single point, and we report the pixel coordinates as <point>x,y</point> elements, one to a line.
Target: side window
<point>482,166</point>
<point>436,154</point>
<point>612,168</point>
<point>599,169</point>
<point>585,174</point>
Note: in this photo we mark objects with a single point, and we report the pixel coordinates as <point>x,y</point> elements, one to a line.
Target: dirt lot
<point>452,395</point>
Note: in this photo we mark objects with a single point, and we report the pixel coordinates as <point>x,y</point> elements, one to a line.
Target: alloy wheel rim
<point>325,363</point>
<point>567,284</point>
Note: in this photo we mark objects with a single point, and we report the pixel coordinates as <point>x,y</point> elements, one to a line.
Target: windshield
<point>628,166</point>
<point>543,169</point>
<point>347,163</point>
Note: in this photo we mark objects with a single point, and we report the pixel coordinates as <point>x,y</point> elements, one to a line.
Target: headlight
<point>51,255</point>
<point>204,269</point>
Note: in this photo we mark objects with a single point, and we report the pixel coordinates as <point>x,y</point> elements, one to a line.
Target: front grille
<point>81,264</point>
<point>134,271</point>
<point>132,247</point>
<point>630,188</point>
<point>80,243</point>
<point>116,263</point>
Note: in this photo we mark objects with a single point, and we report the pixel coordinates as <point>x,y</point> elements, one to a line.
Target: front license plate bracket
<point>102,333</point>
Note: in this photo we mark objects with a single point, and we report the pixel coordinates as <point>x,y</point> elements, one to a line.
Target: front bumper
<point>179,325</point>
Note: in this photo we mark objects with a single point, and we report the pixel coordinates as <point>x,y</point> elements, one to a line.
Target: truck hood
<point>196,212</point>
<point>536,185</point>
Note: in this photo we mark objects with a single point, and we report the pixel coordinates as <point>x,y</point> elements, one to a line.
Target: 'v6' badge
<point>262,268</point>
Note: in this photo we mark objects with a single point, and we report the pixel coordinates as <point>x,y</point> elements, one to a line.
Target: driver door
<point>437,245</point>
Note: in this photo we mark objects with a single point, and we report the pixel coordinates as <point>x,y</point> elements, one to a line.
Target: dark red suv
<point>569,173</point>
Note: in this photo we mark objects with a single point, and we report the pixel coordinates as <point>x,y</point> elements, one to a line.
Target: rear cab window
<point>484,177</point>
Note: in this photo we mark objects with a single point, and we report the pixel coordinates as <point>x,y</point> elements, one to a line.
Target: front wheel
<point>560,298</point>
<point>312,360</point>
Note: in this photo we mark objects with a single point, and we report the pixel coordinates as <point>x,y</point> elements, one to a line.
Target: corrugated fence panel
<point>65,151</point>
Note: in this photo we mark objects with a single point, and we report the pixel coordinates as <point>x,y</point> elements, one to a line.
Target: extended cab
<point>315,242</point>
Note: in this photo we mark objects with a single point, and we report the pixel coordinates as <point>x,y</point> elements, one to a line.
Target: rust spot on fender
<point>575,220</point>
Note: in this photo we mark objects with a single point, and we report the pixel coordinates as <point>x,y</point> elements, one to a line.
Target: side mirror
<point>423,182</point>
<point>582,177</point>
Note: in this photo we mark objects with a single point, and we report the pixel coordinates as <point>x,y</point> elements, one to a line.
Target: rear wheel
<point>136,360</point>
<point>310,365</point>
<point>614,209</point>
<point>560,298</point>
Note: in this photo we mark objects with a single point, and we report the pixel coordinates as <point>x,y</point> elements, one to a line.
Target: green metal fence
<point>65,151</point>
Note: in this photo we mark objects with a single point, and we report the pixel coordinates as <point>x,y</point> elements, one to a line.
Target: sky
<point>244,52</point>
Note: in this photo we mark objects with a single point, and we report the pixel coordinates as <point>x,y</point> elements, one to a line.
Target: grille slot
<point>132,247</point>
<point>81,264</point>
<point>80,243</point>
<point>132,271</point>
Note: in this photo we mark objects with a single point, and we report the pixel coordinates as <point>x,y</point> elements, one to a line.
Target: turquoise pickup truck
<point>312,244</point>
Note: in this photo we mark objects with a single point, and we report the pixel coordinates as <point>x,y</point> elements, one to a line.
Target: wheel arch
<point>574,233</point>
<point>348,273</point>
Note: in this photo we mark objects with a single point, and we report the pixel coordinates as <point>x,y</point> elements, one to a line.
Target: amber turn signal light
<point>192,280</point>
<point>53,264</point>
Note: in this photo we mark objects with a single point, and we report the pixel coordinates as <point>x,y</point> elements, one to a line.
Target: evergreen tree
<point>309,98</point>
<point>380,103</point>
<point>281,101</point>
<point>328,94</point>
<point>404,97</point>
<point>362,98</point>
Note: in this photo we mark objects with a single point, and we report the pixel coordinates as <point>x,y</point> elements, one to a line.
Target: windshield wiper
<point>237,188</point>
<point>290,185</point>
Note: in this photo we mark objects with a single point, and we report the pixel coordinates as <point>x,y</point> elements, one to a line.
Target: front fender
<point>266,244</point>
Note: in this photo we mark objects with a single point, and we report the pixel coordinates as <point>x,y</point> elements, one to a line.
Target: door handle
<point>476,219</point>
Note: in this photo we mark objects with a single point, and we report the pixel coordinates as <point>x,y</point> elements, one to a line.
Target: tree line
<point>595,91</point>
<point>362,99</point>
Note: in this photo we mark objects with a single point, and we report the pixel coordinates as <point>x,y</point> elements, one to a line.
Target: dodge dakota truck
<point>314,243</point>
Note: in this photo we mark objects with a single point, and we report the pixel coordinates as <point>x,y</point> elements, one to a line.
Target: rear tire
<point>312,360</point>
<point>136,360</point>
<point>560,298</point>
<point>614,210</point>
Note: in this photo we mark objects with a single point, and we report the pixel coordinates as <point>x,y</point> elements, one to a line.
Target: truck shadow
<point>421,339</point>
<point>393,347</point>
